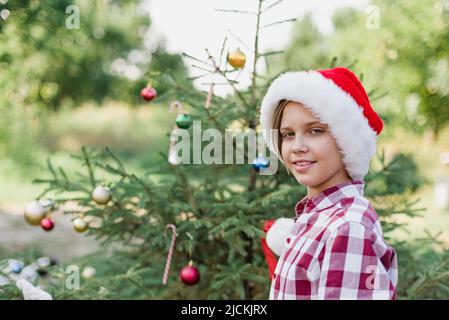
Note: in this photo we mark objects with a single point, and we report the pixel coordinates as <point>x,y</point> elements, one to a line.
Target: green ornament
<point>183,121</point>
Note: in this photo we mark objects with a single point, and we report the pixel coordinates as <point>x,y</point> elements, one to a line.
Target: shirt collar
<point>330,196</point>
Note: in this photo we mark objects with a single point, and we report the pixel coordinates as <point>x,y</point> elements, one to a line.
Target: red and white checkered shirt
<point>336,250</point>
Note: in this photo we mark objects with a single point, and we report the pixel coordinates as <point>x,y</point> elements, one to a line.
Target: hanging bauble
<point>11,266</point>
<point>80,225</point>
<point>237,59</point>
<point>190,275</point>
<point>260,163</point>
<point>43,262</point>
<point>183,121</point>
<point>148,93</point>
<point>17,267</point>
<point>88,272</point>
<point>101,195</point>
<point>47,224</point>
<point>34,213</point>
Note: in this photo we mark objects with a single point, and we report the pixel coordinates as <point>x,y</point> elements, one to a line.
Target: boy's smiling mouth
<point>301,166</point>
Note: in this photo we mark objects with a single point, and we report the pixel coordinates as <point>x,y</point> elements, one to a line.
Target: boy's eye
<point>287,134</point>
<point>316,131</point>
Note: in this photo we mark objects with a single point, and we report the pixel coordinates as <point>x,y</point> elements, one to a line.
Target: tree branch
<point>236,11</point>
<point>278,22</point>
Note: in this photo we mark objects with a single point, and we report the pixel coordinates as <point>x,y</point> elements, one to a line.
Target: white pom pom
<point>31,292</point>
<point>277,234</point>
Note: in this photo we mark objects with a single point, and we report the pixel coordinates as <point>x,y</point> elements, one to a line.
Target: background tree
<point>403,56</point>
<point>48,62</point>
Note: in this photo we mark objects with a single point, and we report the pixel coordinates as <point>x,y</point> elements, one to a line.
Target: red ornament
<point>47,224</point>
<point>190,275</point>
<point>148,93</point>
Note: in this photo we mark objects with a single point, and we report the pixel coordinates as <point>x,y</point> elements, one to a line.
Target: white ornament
<point>101,195</point>
<point>31,292</point>
<point>43,262</point>
<point>88,272</point>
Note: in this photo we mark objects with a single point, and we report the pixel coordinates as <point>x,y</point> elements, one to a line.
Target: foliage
<point>48,64</point>
<point>218,209</point>
<point>405,59</point>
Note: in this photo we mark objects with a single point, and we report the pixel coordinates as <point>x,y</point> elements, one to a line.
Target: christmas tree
<point>202,221</point>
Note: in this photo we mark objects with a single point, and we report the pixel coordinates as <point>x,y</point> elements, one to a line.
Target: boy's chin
<point>304,180</point>
<point>307,181</point>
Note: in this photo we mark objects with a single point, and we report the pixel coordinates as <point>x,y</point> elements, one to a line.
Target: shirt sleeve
<point>356,265</point>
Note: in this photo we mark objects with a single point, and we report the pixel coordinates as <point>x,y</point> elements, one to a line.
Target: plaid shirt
<point>336,250</point>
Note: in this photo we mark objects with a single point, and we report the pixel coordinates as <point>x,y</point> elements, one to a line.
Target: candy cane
<point>170,253</point>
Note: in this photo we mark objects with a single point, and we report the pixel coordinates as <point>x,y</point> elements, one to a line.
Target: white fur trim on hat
<point>332,106</point>
<point>277,234</point>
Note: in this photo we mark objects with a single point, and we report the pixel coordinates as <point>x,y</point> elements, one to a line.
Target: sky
<point>194,25</point>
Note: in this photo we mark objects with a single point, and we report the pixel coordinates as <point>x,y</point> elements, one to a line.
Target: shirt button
<point>288,240</point>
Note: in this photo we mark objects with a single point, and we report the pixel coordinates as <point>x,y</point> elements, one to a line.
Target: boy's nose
<point>300,145</point>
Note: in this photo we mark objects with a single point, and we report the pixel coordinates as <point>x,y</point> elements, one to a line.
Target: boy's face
<point>304,137</point>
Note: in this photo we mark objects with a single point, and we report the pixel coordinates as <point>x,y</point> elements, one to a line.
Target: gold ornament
<point>237,59</point>
<point>34,213</point>
<point>101,195</point>
<point>80,225</point>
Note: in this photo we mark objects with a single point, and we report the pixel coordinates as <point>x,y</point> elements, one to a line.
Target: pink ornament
<point>47,224</point>
<point>190,275</point>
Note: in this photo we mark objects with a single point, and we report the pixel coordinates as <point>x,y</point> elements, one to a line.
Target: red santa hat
<point>336,96</point>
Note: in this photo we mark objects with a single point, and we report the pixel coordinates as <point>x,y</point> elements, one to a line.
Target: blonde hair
<point>279,111</point>
<point>277,125</point>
